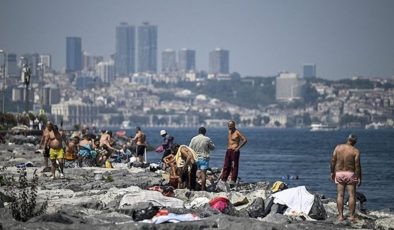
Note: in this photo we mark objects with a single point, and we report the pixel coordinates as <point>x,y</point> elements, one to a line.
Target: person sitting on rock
<point>72,149</point>
<point>85,150</point>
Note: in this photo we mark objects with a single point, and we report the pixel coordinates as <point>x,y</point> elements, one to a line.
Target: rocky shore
<point>129,197</point>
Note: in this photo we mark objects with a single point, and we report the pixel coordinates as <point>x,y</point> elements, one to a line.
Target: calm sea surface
<point>272,154</point>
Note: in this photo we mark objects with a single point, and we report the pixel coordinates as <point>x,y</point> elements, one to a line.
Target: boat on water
<point>322,127</point>
<point>125,125</point>
<point>376,125</point>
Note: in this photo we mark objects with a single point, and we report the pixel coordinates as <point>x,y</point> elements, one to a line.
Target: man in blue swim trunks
<point>202,145</point>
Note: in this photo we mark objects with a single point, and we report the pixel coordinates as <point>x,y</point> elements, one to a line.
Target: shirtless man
<point>72,149</point>
<point>44,146</point>
<point>140,141</point>
<point>236,140</point>
<point>346,172</point>
<point>56,153</point>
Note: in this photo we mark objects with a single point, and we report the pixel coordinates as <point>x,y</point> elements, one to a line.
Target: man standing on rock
<point>202,145</point>
<point>140,141</point>
<point>236,140</point>
<point>56,153</point>
<point>44,145</point>
<point>346,172</point>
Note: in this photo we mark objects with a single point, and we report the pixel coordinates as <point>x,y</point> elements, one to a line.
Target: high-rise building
<point>147,48</point>
<point>73,54</point>
<point>219,62</point>
<point>46,61</point>
<point>90,61</point>
<point>32,61</point>
<point>309,71</point>
<point>288,87</point>
<point>125,49</point>
<point>12,66</point>
<point>168,61</point>
<point>106,71</point>
<point>186,60</point>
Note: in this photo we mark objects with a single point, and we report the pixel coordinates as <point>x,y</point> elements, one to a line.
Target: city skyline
<point>343,38</point>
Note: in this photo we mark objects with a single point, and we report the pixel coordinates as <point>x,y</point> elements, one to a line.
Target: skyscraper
<point>219,61</point>
<point>125,49</point>
<point>288,87</point>
<point>309,71</point>
<point>106,71</point>
<point>168,61</point>
<point>12,65</point>
<point>73,54</point>
<point>46,61</point>
<point>187,60</point>
<point>147,48</point>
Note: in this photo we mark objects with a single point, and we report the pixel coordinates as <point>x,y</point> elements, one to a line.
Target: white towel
<point>298,199</point>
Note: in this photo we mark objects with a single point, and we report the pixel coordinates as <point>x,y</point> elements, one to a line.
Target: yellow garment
<point>178,157</point>
<point>276,186</point>
<point>108,164</point>
<point>56,153</point>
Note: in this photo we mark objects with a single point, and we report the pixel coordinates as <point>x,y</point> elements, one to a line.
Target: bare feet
<point>341,218</point>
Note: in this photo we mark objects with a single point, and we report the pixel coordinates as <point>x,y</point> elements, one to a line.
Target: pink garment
<point>345,178</point>
<point>219,203</point>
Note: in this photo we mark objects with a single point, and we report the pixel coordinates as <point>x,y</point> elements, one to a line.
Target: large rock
<point>156,198</point>
<point>276,218</point>
<point>385,223</point>
<point>256,209</point>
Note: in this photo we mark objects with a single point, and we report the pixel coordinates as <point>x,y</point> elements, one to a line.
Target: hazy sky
<point>343,38</point>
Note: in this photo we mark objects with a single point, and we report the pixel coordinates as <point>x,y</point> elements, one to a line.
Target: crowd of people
<point>187,165</point>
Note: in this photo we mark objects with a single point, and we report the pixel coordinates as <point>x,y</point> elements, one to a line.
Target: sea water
<point>287,154</point>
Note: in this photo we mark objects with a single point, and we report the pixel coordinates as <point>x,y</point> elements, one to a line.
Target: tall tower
<point>187,60</point>
<point>73,54</point>
<point>219,62</point>
<point>309,71</point>
<point>147,48</point>
<point>168,61</point>
<point>125,49</point>
<point>289,87</point>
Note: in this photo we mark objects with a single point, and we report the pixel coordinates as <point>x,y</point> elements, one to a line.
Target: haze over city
<point>343,38</point>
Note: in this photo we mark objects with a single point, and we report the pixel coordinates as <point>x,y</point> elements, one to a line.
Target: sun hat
<point>162,132</point>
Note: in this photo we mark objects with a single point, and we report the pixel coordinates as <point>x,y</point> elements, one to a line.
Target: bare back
<point>105,139</point>
<point>140,138</point>
<point>345,157</point>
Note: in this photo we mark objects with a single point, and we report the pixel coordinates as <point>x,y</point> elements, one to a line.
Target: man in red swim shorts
<point>346,172</point>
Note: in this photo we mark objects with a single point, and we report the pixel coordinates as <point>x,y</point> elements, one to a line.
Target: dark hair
<point>174,148</point>
<point>352,138</point>
<point>202,130</point>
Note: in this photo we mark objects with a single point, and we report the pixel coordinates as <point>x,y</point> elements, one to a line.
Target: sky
<point>344,38</point>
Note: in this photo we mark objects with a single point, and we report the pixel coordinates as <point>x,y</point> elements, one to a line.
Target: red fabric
<point>219,203</point>
<point>231,163</point>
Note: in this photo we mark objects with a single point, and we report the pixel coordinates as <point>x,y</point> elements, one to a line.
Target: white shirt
<point>202,145</point>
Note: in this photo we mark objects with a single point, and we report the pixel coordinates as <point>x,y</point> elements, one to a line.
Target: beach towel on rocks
<point>298,199</point>
<point>173,218</point>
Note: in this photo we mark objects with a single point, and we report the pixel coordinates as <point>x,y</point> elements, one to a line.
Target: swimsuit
<point>345,178</point>
<point>56,153</point>
<point>140,150</point>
